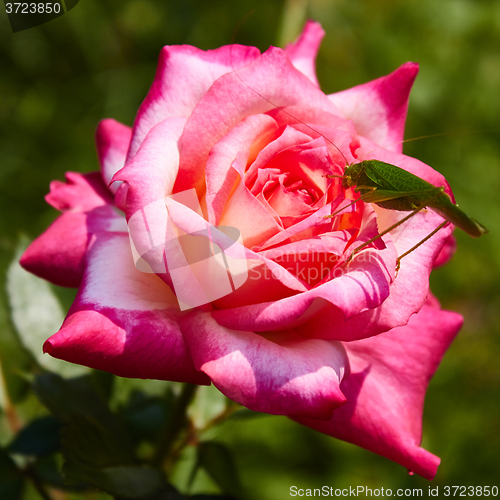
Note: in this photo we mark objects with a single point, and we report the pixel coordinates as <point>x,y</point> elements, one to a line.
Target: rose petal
<point>446,252</point>
<point>281,374</point>
<point>378,108</point>
<point>362,286</point>
<point>183,76</point>
<point>58,255</point>
<point>150,176</point>
<point>386,388</point>
<point>235,147</point>
<point>80,192</point>
<point>303,51</point>
<point>112,141</point>
<point>260,227</point>
<point>124,321</point>
<point>269,82</point>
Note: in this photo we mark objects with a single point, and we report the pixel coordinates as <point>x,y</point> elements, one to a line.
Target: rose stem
<point>175,425</point>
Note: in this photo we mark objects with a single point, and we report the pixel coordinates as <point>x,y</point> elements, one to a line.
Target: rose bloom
<point>346,347</point>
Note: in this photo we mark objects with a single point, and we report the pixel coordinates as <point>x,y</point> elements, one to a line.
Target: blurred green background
<point>59,79</point>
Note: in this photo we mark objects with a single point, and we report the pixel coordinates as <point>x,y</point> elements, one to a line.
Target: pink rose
<point>347,348</point>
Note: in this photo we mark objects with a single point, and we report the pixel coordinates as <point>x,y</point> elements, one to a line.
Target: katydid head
<point>352,173</point>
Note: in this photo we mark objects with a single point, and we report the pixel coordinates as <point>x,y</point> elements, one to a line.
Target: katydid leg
<point>385,231</point>
<point>430,235</point>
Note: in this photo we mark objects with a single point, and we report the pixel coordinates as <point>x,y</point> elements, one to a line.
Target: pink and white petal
<point>281,374</point>
<point>378,108</point>
<point>303,51</point>
<point>269,82</point>
<point>80,192</point>
<point>183,77</point>
<point>58,254</point>
<point>124,321</point>
<point>112,140</point>
<point>386,389</point>
<point>151,174</point>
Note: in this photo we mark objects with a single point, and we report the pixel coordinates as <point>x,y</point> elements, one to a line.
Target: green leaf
<point>13,358</point>
<point>66,398</point>
<point>125,387</point>
<point>122,481</point>
<point>48,470</point>
<point>101,454</point>
<point>39,438</point>
<point>92,435</point>
<point>147,415</point>
<point>93,455</point>
<point>11,480</point>
<point>87,442</point>
<point>167,493</point>
<point>36,314</point>
<point>246,414</point>
<point>217,460</point>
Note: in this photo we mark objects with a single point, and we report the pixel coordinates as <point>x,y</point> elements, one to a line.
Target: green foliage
<point>217,460</point>
<point>58,80</point>
<point>11,480</point>
<point>39,438</point>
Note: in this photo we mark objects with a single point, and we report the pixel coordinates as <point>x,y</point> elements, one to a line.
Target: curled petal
<point>112,141</point>
<point>124,321</point>
<point>408,291</point>
<point>151,174</point>
<point>446,252</point>
<point>281,374</point>
<point>386,388</point>
<point>361,286</point>
<point>231,152</point>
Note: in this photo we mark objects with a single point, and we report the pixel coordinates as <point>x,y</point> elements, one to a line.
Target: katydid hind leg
<point>423,240</point>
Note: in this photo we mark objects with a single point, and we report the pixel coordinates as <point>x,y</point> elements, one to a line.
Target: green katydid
<point>393,188</point>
